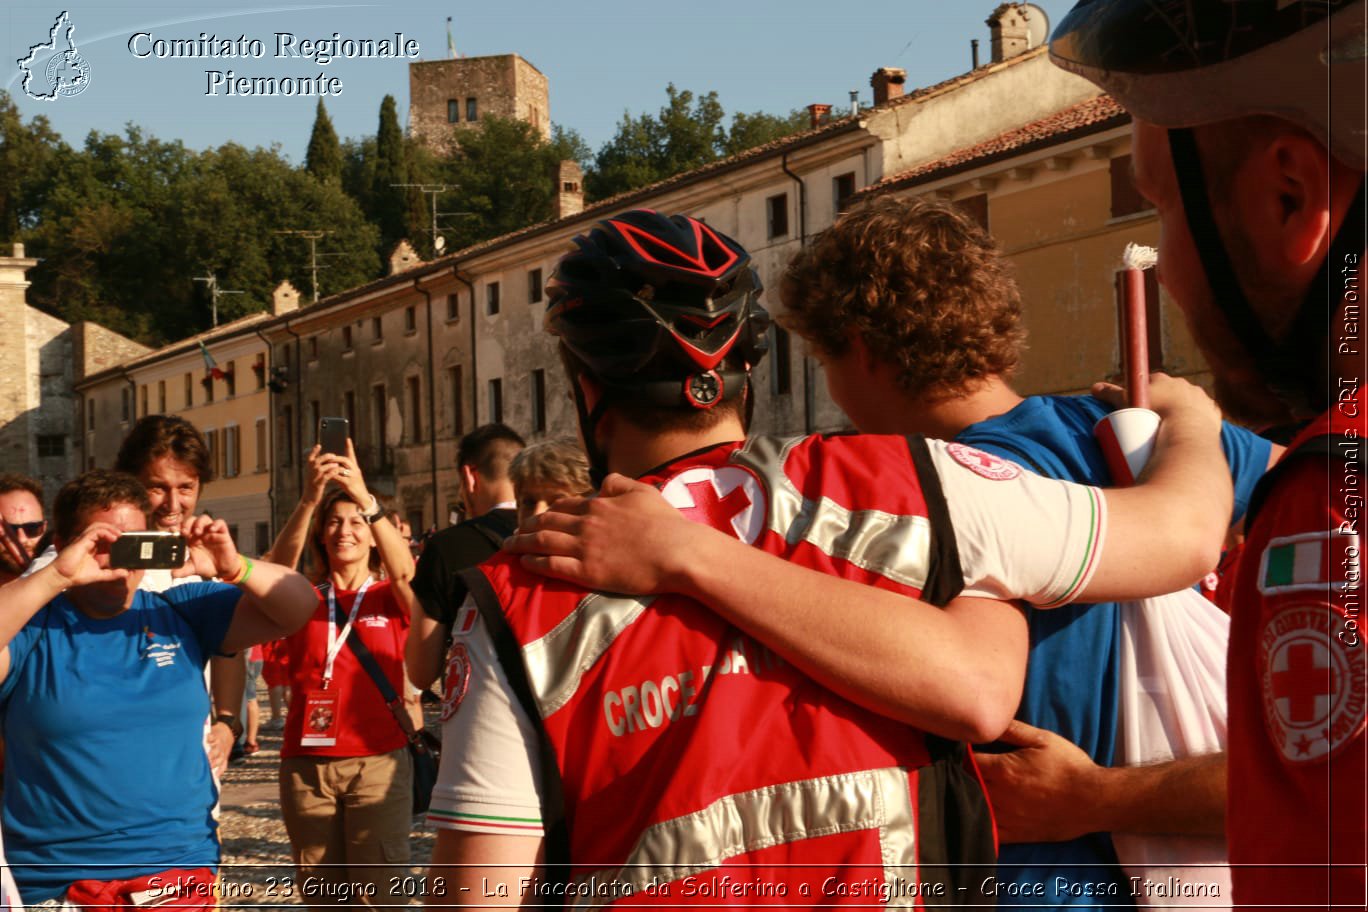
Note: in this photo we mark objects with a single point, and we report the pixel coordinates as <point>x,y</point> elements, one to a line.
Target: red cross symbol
<point>709,509</point>
<point>1301,683</point>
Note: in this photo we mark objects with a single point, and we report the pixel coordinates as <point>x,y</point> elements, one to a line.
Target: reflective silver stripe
<point>895,547</point>
<point>770,816</point>
<point>557,661</point>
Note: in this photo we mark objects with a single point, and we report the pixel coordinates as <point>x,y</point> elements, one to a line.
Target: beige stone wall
<point>505,86</point>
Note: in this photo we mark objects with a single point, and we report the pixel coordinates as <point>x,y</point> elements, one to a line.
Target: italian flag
<point>1295,563</point>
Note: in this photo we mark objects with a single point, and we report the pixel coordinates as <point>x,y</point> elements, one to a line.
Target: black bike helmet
<point>1184,63</point>
<point>658,309</point>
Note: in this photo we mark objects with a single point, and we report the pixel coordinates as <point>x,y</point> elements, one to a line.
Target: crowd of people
<point>681,664</point>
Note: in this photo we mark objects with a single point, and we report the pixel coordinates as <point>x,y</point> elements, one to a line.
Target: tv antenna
<point>214,292</point>
<point>312,237</point>
<point>434,191</point>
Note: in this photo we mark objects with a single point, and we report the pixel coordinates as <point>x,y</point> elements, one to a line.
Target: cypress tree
<point>324,158</point>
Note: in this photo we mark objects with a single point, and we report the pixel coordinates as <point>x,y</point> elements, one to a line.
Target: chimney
<point>569,179</point>
<point>1010,34</point>
<point>403,257</point>
<point>819,113</point>
<point>854,102</point>
<point>284,299</point>
<point>888,84</point>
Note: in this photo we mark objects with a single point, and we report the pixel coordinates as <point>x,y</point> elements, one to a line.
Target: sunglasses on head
<point>30,529</point>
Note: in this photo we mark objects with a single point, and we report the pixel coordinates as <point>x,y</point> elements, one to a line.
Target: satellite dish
<point>1037,25</point>
<point>439,244</point>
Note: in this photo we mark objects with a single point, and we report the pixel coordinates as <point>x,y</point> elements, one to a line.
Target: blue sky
<point>602,57</point>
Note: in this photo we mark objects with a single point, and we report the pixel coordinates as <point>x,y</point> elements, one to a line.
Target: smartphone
<point>333,434</point>
<point>148,551</point>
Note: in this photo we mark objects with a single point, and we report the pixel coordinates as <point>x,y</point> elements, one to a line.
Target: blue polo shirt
<point>1071,678</point>
<point>105,771</point>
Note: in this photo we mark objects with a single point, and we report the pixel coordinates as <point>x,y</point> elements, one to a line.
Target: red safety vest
<point>1298,677</point>
<point>695,765</point>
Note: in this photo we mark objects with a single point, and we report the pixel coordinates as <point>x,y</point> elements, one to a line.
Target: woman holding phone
<point>345,772</point>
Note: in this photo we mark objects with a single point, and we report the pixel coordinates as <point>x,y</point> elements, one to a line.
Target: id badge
<point>320,719</point>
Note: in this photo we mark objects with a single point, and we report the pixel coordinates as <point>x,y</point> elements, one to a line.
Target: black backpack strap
<point>509,652</point>
<point>1351,449</point>
<point>492,530</point>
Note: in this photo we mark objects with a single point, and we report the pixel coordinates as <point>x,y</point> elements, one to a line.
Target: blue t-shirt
<point>105,770</point>
<point>1071,678</point>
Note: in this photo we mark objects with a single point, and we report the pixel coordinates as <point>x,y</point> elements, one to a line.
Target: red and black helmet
<point>663,307</point>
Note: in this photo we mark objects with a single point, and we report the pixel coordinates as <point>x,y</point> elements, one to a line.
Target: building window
<point>534,286</point>
<point>777,208</point>
<point>349,411</point>
<point>976,208</point>
<point>1154,328</point>
<point>347,338</point>
<point>287,436</point>
<point>161,397</point>
<point>189,391</point>
<point>570,186</point>
<point>414,394</point>
<point>457,402</point>
<point>496,400</point>
<point>263,446</point>
<point>410,320</point>
<point>90,412</point>
<point>1125,199</point>
<point>142,401</point>
<point>230,378</point>
<point>492,298</point>
<point>51,446</point>
<point>842,189</point>
<point>453,302</point>
<point>538,400</point>
<point>125,401</point>
<point>781,369</point>
<point>314,417</point>
<point>313,348</point>
<point>232,451</point>
<point>453,110</point>
<point>263,537</point>
<point>208,382</point>
<point>211,441</point>
<point>472,111</point>
<point>377,330</point>
<point>259,368</point>
<point>379,412</point>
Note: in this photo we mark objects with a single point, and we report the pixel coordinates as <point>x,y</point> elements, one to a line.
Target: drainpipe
<point>474,364</point>
<point>299,405</point>
<point>270,432</point>
<point>432,397</point>
<point>809,402</point>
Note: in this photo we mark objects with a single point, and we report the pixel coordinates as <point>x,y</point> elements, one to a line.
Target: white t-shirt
<point>1019,536</point>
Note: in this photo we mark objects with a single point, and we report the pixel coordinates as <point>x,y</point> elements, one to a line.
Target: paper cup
<point>1127,439</point>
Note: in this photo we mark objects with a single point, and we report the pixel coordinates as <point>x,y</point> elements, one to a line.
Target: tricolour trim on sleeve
<point>1087,566</point>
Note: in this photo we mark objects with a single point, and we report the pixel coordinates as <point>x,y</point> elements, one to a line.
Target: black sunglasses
<point>30,529</point>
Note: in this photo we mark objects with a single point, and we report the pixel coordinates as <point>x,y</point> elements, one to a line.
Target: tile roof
<point>1092,116</point>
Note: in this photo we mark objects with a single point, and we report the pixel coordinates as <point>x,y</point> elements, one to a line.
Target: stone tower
<point>450,95</point>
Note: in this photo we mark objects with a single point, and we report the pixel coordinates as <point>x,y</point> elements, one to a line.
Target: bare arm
<point>288,546</point>
<point>426,647</point>
<point>79,563</point>
<point>1049,790</point>
<point>480,864</point>
<point>227,680</point>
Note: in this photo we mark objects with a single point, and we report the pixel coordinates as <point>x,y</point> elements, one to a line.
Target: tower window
<point>453,110</point>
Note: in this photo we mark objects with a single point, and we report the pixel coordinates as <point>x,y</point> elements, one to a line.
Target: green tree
<point>686,133</point>
<point>27,152</point>
<point>324,157</point>
<point>751,130</point>
<point>390,203</point>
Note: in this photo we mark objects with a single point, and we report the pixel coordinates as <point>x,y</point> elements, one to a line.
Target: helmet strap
<point>1298,381</point>
<point>588,418</point>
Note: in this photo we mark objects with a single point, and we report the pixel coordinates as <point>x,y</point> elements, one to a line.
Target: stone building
<point>231,411</point>
<point>43,358</point>
<point>1057,195</point>
<point>450,95</point>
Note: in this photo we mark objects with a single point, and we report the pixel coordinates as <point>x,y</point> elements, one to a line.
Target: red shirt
<point>1298,686</point>
<point>366,727</point>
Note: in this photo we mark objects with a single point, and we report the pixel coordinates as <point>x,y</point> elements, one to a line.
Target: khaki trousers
<point>349,820</point>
